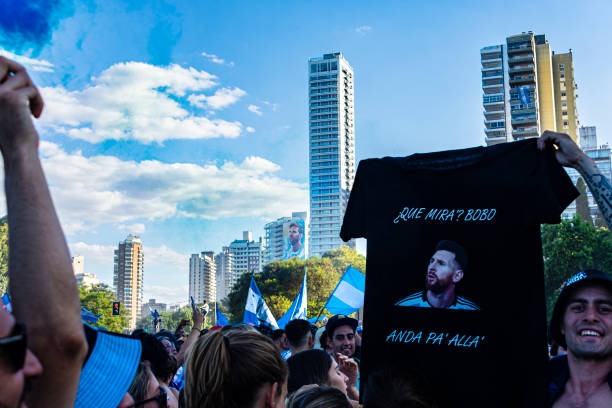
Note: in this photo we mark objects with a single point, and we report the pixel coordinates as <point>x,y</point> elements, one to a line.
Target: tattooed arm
<point>569,154</point>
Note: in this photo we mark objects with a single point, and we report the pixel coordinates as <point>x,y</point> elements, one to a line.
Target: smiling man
<point>582,324</point>
<point>445,270</point>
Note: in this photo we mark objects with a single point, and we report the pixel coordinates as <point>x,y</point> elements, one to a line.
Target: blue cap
<point>109,369</point>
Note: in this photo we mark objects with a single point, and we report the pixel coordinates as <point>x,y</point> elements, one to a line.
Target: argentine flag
<point>523,93</point>
<point>297,310</point>
<point>87,316</point>
<point>256,310</point>
<point>348,296</point>
<point>221,320</point>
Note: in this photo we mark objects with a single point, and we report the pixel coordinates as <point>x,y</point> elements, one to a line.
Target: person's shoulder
<point>465,304</point>
<point>415,299</point>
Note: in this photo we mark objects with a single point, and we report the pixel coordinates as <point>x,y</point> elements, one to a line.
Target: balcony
<point>525,132</point>
<point>494,67</point>
<point>494,139</point>
<point>524,120</point>
<point>491,89</point>
<point>521,58</point>
<point>494,114</point>
<point>521,68</point>
<point>522,79</point>
<point>517,49</point>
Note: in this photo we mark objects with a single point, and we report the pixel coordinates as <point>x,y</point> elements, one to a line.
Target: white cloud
<point>222,98</point>
<point>255,109</point>
<point>29,63</point>
<point>217,60</point>
<point>166,294</point>
<point>273,105</point>
<point>250,129</point>
<point>99,254</point>
<point>363,30</point>
<point>135,101</point>
<point>133,228</point>
<point>164,256</point>
<point>90,191</point>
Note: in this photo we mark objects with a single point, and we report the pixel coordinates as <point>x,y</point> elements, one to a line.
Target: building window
<point>564,104</point>
<point>562,76</point>
<point>565,123</point>
<point>561,67</point>
<point>564,113</point>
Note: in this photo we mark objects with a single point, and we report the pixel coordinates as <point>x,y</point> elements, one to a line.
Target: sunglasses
<point>162,400</point>
<point>13,348</point>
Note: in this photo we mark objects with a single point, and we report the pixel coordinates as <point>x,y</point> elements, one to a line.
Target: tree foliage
<point>98,299</point>
<point>280,282</point>
<point>572,246</point>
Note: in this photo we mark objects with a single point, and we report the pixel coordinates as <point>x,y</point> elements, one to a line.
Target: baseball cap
<point>339,320</point>
<point>108,370</point>
<point>579,279</point>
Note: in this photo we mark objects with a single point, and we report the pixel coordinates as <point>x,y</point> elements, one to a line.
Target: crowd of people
<point>50,358</point>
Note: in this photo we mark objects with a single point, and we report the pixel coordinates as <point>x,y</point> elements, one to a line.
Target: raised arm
<point>569,154</point>
<point>41,280</point>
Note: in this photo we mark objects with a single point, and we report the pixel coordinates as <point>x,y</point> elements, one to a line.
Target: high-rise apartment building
<point>128,277</point>
<point>332,148</point>
<point>241,256</point>
<point>78,264</point>
<point>527,89</point>
<point>277,237</point>
<point>223,264</point>
<point>202,279</point>
<point>601,157</point>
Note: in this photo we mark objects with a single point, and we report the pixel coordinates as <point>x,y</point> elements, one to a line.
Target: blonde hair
<point>227,369</point>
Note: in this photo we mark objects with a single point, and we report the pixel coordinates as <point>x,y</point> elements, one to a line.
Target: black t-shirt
<point>487,347</point>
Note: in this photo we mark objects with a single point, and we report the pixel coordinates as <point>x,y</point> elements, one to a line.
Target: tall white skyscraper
<point>202,279</point>
<point>128,276</point>
<point>239,257</point>
<point>332,148</point>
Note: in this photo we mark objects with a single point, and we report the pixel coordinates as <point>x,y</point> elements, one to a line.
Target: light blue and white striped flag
<point>221,319</point>
<point>348,296</point>
<point>87,316</point>
<point>523,93</point>
<point>297,310</point>
<point>256,310</point>
<point>6,302</point>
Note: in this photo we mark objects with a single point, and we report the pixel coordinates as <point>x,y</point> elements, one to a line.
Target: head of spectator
<point>280,340</point>
<point>392,388</point>
<point>162,364</point>
<point>319,397</point>
<point>109,369</point>
<point>314,367</point>
<point>299,335</point>
<point>235,368</point>
<point>341,334</point>
<point>168,340</point>
<point>18,365</point>
<point>582,324</point>
<point>146,390</point>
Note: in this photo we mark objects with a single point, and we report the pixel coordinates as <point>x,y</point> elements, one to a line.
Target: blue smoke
<point>29,24</point>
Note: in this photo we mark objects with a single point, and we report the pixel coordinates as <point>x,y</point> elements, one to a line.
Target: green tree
<point>3,255</point>
<point>569,247</point>
<point>582,202</point>
<point>98,299</point>
<point>280,282</point>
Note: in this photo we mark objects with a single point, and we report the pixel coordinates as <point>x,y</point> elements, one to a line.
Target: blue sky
<point>187,123</point>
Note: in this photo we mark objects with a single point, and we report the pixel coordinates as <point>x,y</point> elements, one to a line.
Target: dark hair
<point>277,334</point>
<point>308,367</point>
<point>297,331</point>
<point>298,225</point>
<point>163,364</point>
<point>323,340</point>
<point>392,388</point>
<point>227,369</point>
<point>460,255</point>
<point>319,397</point>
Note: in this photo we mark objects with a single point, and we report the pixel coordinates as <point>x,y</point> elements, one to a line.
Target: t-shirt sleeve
<point>354,224</point>
<point>552,188</point>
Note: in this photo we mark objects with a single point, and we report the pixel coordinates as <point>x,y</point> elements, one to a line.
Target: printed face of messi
<point>294,235</point>
<point>442,271</point>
